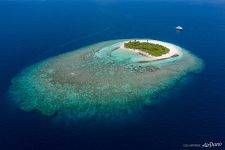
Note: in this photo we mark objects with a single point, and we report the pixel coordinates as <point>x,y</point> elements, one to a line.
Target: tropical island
<point>149,48</point>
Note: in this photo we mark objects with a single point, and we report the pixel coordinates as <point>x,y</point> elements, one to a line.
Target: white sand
<point>174,50</point>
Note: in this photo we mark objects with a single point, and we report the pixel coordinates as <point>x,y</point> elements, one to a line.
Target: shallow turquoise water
<point>98,81</point>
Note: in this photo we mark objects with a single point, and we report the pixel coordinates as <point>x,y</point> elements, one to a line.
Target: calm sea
<point>192,113</point>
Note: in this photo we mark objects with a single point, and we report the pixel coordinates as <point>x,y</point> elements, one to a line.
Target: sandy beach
<point>174,50</point>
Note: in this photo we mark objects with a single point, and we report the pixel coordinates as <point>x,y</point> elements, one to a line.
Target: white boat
<point>179,28</point>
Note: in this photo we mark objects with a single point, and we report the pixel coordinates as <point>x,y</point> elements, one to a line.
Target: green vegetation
<point>150,48</point>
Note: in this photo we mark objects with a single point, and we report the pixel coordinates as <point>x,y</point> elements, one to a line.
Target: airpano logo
<point>211,145</point>
<point>204,145</point>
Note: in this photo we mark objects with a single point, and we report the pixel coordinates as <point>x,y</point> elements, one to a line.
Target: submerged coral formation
<point>100,80</point>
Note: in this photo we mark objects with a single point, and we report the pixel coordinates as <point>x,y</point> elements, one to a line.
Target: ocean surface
<point>192,112</point>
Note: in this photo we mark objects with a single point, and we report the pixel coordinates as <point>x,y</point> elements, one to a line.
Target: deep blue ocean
<point>193,112</point>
